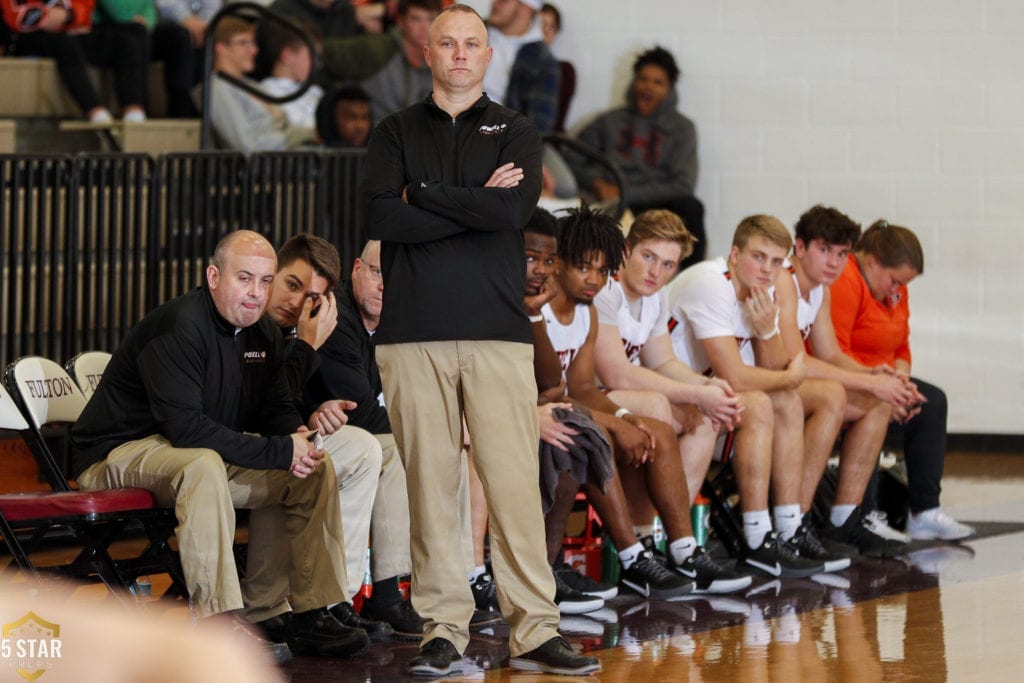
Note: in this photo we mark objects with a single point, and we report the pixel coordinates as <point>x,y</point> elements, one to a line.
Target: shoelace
<point>656,569</point>
<point>809,539</point>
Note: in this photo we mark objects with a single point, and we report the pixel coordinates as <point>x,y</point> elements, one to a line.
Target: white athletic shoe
<point>878,523</point>
<point>937,524</point>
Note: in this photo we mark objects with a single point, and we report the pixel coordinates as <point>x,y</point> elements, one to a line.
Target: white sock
<point>756,525</point>
<point>841,513</point>
<point>682,548</point>
<point>477,573</point>
<point>787,520</point>
<point>135,116</point>
<point>628,556</point>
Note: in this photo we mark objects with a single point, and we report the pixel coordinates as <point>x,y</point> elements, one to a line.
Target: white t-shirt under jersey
<point>567,340</point>
<point>637,321</point>
<point>703,305</point>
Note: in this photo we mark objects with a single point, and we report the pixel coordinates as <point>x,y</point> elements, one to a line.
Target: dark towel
<point>588,460</point>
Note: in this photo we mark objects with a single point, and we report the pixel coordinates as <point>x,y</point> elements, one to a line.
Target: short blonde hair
<point>769,227</point>
<point>661,224</point>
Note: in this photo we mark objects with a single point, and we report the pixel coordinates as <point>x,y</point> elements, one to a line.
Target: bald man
<point>449,184</point>
<point>194,408</point>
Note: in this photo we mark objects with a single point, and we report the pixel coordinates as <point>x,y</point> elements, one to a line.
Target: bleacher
<point>38,114</point>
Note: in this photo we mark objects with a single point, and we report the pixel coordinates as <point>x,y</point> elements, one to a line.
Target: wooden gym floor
<point>946,612</point>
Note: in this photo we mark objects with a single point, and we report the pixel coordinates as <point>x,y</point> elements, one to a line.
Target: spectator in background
<point>653,144</point>
<point>343,118</point>
<point>291,65</point>
<point>523,74</point>
<point>180,65</point>
<point>335,18</point>
<point>63,30</point>
<point>871,317</point>
<point>551,26</point>
<point>168,42</point>
<point>390,67</point>
<point>240,120</point>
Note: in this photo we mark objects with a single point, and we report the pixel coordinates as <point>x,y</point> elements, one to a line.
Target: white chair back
<point>10,415</point>
<point>87,368</point>
<point>46,390</point>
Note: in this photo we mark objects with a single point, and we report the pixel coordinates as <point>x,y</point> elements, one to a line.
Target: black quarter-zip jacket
<point>452,255</point>
<point>185,373</point>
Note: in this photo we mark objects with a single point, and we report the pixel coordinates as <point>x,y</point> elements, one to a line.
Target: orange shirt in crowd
<point>871,332</point>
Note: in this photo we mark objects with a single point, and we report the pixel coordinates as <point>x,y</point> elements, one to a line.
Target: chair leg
<point>724,520</point>
<point>20,557</point>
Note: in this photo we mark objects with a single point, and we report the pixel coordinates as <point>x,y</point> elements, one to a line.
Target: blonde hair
<point>661,224</point>
<point>769,227</point>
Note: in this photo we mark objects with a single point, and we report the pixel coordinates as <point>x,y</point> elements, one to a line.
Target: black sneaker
<point>777,559</point>
<point>437,658</point>
<point>651,579</point>
<point>378,631</point>
<point>405,622</point>
<point>708,576</point>
<point>318,633</point>
<point>856,532</point>
<point>583,583</point>
<point>484,593</point>
<point>278,651</point>
<point>806,544</point>
<point>556,657</point>
<point>571,601</point>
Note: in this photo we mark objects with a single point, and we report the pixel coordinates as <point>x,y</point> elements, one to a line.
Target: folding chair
<point>722,493</point>
<point>86,369</point>
<point>45,394</point>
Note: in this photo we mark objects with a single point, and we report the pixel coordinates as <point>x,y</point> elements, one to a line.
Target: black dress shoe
<point>278,651</point>
<point>437,658</point>
<point>318,633</point>
<point>377,630</point>
<point>405,622</point>
<point>556,657</point>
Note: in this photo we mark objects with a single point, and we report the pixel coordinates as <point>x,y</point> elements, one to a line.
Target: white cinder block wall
<point>912,110</point>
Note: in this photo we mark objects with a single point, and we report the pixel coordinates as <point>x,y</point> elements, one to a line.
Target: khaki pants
<point>428,387</point>
<point>389,527</point>
<point>204,492</point>
<point>356,457</point>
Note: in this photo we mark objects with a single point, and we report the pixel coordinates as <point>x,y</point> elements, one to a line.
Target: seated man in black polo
<point>194,408</point>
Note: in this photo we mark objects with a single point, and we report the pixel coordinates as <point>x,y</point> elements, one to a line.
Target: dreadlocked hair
<point>583,231</point>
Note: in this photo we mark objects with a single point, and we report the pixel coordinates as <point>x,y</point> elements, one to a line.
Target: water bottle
<point>660,539</point>
<point>699,517</point>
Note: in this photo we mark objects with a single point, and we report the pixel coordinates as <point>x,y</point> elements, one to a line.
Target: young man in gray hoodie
<point>653,144</point>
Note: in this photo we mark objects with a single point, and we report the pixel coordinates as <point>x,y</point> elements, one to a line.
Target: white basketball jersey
<point>567,339</point>
<point>613,307</point>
